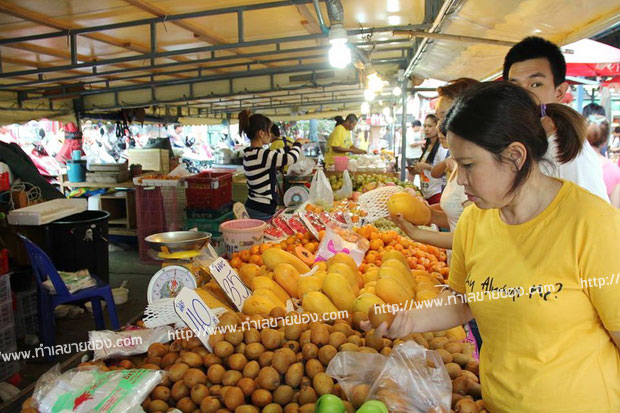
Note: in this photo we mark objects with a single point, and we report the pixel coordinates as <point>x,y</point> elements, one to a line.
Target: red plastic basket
<point>209,190</point>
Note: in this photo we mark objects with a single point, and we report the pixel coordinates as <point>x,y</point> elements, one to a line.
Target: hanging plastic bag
<point>404,381</point>
<point>88,389</point>
<point>321,192</point>
<point>342,240</point>
<point>347,187</point>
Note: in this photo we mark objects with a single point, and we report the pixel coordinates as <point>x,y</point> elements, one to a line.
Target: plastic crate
<point>209,225</point>
<point>5,287</point>
<point>26,324</point>
<point>8,341</point>
<point>208,213</point>
<point>26,302</point>
<point>6,312</point>
<point>8,368</point>
<point>209,190</point>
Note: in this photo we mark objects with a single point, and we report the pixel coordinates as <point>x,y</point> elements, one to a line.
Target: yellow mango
<point>365,301</point>
<point>287,277</point>
<point>322,265</point>
<point>339,291</point>
<point>343,258</point>
<point>248,271</point>
<point>215,290</point>
<point>456,333</point>
<point>370,275</point>
<point>269,284</point>
<point>395,255</point>
<point>307,284</point>
<point>211,300</point>
<point>317,302</point>
<point>426,295</point>
<point>320,274</point>
<point>371,290</point>
<point>410,207</point>
<point>348,274</point>
<point>258,304</point>
<point>271,296</point>
<point>425,286</point>
<point>406,283</point>
<point>397,265</point>
<point>274,256</point>
<point>391,291</point>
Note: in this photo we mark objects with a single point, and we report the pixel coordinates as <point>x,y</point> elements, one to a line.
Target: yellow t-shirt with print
<point>279,143</point>
<point>340,136</point>
<point>545,349</point>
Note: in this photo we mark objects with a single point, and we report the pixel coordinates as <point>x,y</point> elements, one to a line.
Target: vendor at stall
<point>339,142</point>
<point>261,165</point>
<point>278,141</point>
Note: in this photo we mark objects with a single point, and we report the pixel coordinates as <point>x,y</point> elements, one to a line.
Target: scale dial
<point>167,282</point>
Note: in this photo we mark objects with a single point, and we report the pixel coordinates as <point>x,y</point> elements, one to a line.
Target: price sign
<point>196,314</point>
<point>229,281</point>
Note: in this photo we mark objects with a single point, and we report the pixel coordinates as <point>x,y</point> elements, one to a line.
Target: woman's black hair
<point>494,115</point>
<point>275,129</point>
<point>432,150</point>
<point>339,120</point>
<point>251,124</point>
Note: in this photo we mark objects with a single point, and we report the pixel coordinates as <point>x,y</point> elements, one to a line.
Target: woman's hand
<point>404,323</point>
<point>422,166</point>
<point>407,227</point>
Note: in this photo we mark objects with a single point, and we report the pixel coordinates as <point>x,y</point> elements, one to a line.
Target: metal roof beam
<point>182,52</point>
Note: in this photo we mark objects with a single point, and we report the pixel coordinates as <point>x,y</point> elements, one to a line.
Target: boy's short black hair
<point>275,129</point>
<point>351,117</point>
<point>416,123</point>
<point>535,47</point>
<point>617,129</point>
<point>593,109</point>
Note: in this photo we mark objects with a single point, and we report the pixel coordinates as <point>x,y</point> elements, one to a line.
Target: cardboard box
<point>157,160</point>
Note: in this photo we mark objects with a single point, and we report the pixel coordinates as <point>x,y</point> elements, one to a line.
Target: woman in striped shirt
<point>261,164</point>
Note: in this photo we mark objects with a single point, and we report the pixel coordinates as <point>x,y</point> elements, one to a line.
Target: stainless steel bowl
<point>177,241</point>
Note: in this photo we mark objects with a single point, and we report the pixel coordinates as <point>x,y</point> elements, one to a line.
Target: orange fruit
<point>245,255</point>
<point>235,262</point>
<point>375,244</point>
<point>255,250</point>
<point>310,246</point>
<point>256,259</point>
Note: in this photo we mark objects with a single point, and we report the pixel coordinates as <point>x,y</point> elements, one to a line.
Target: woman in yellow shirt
<point>339,142</point>
<point>535,260</point>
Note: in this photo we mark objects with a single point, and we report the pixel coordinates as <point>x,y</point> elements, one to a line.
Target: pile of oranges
<point>419,256</point>
<point>253,255</point>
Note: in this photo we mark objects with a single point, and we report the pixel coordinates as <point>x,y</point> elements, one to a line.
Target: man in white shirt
<point>415,141</point>
<point>538,65</point>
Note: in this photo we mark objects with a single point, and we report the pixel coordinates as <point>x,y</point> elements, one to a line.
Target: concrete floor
<point>124,265</point>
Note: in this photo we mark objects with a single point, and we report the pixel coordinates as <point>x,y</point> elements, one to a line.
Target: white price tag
<point>196,314</point>
<point>229,281</point>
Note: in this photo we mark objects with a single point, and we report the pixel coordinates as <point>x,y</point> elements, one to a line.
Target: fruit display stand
<point>274,349</point>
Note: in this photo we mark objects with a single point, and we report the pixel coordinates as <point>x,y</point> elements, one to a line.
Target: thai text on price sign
<point>229,281</point>
<point>196,314</point>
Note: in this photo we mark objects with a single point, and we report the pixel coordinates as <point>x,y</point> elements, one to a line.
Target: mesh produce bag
<point>375,202</point>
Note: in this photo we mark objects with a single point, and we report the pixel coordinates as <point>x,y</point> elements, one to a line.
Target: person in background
<point>261,164</point>
<point>432,155</point>
<point>176,138</point>
<point>593,109</point>
<point>414,142</point>
<point>339,142</point>
<point>598,133</point>
<point>615,141</point>
<point>538,66</point>
<point>278,141</point>
<point>528,229</point>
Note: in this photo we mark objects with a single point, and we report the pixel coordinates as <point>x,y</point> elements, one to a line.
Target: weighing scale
<point>296,195</point>
<point>183,262</point>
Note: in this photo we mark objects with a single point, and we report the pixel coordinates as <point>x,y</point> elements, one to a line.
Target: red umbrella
<point>591,58</point>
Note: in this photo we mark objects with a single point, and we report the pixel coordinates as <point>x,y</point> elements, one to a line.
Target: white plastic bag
<point>347,187</point>
<point>87,389</point>
<point>321,192</point>
<point>109,344</point>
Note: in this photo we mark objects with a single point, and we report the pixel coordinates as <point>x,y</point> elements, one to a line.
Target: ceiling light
<point>393,6</point>
<point>339,53</point>
<point>397,91</point>
<point>375,83</point>
<point>393,20</point>
<point>369,95</point>
<point>365,108</point>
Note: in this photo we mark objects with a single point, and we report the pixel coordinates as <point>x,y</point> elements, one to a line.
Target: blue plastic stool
<point>42,267</point>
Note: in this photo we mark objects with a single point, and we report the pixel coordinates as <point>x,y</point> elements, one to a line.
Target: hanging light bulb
<point>365,108</point>
<point>397,91</point>
<point>369,95</point>
<point>339,53</point>
<point>375,83</point>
